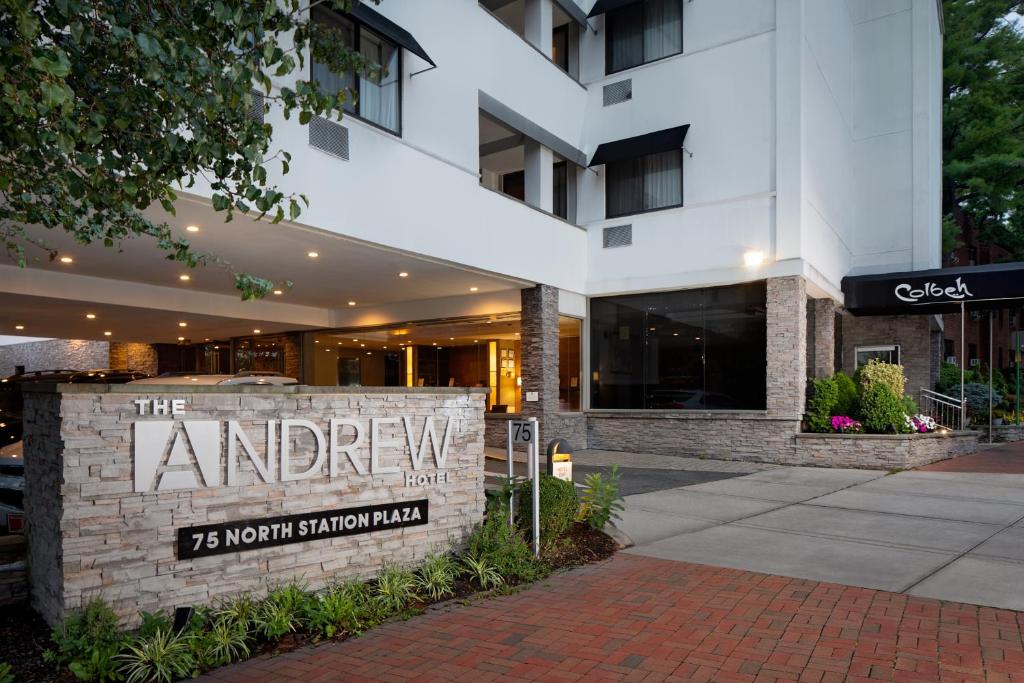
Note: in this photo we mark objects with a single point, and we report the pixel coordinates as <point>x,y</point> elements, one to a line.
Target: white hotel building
<point>628,218</point>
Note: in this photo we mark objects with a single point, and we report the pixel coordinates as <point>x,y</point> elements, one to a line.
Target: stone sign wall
<point>157,497</point>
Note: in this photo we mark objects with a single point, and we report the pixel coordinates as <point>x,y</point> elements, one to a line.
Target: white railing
<point>946,410</point>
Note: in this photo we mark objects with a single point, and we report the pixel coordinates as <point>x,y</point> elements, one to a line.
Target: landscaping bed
<point>497,558</point>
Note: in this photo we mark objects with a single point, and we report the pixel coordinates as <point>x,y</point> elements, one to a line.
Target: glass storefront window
<point>479,352</point>
<point>569,330</point>
<point>693,349</point>
<point>261,354</point>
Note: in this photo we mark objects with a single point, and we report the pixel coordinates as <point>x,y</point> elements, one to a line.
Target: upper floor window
<point>378,97</point>
<point>645,183</point>
<point>643,32</point>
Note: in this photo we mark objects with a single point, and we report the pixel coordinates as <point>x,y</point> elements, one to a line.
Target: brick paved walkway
<point>1007,458</point>
<point>642,619</point>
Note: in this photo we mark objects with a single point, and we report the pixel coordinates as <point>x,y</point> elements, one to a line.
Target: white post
<point>535,462</point>
<point>511,474</point>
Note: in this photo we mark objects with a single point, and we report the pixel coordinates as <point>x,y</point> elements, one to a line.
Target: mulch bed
<point>25,635</point>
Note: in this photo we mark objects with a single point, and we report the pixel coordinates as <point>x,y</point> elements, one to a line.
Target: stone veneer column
<point>539,352</point>
<point>824,337</point>
<point>787,347</point>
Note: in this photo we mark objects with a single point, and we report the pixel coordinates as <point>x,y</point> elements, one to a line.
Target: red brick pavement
<point>642,619</point>
<point>1003,459</point>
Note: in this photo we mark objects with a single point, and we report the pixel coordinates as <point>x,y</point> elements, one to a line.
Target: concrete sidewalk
<point>953,536</point>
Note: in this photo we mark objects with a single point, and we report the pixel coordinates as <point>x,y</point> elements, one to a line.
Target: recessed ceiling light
<point>255,331</point>
<point>90,316</point>
<point>355,340</point>
<point>313,254</point>
<point>369,353</point>
<point>753,258</point>
<point>451,338</point>
<point>181,339</point>
<point>192,228</point>
<point>278,292</point>
<point>474,289</point>
<point>184,278</point>
<point>403,274</point>
<point>385,347</point>
<point>476,341</point>
<point>183,324</point>
<point>363,345</point>
<point>19,327</point>
<point>207,339</point>
<point>66,259</point>
<point>351,303</point>
<point>107,333</point>
<point>435,343</point>
<point>316,341</point>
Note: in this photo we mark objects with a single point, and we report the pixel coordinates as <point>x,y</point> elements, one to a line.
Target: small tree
<point>107,106</point>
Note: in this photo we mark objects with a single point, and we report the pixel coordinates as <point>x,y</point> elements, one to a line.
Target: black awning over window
<point>602,6</point>
<point>390,30</point>
<point>641,145</point>
<point>940,290</point>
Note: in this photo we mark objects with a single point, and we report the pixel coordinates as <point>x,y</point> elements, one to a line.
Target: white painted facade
<point>814,133</point>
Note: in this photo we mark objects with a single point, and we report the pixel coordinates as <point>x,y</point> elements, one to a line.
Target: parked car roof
<point>242,378</point>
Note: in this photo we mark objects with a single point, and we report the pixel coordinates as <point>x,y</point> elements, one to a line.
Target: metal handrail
<point>945,410</point>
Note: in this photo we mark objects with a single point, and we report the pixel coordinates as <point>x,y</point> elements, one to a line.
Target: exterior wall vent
<point>329,137</point>
<point>618,236</point>
<point>256,108</point>
<point>621,91</point>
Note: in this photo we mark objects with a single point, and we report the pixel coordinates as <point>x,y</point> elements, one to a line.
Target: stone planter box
<point>881,451</point>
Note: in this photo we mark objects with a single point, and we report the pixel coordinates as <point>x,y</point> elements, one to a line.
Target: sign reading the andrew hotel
<point>189,454</point>
<point>231,537</point>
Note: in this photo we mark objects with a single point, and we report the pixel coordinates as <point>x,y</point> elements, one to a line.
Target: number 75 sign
<point>523,431</point>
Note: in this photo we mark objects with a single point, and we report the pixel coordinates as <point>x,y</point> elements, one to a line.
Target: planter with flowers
<point>868,421</point>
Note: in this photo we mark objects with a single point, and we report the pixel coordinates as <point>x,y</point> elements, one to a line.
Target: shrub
<point>504,547</point>
<point>6,674</point>
<point>395,588</point>
<point>273,620</point>
<point>224,642</point>
<point>909,405</point>
<point>162,657</point>
<point>436,578</point>
<point>876,372</point>
<point>821,404</point>
<point>336,611</point>
<point>846,395</point>
<point>976,396</point>
<point>240,611</point>
<point>601,500</point>
<point>883,410</point>
<point>558,507</point>
<point>88,642</point>
<point>482,572</point>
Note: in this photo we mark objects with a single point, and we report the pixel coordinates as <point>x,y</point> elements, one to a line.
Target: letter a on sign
<point>201,440</point>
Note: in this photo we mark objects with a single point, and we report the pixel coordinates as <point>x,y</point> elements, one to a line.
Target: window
<point>643,32</point>
<point>569,330</point>
<point>697,349</point>
<point>645,183</point>
<point>560,189</point>
<point>378,97</point>
<point>886,354</point>
<point>560,46</point>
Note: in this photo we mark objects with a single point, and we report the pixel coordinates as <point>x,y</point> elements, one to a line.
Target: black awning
<point>641,145</point>
<point>602,6</point>
<point>940,290</point>
<point>390,30</point>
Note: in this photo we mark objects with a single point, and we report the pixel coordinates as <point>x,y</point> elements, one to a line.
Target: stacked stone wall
<point>91,535</point>
<point>54,354</point>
